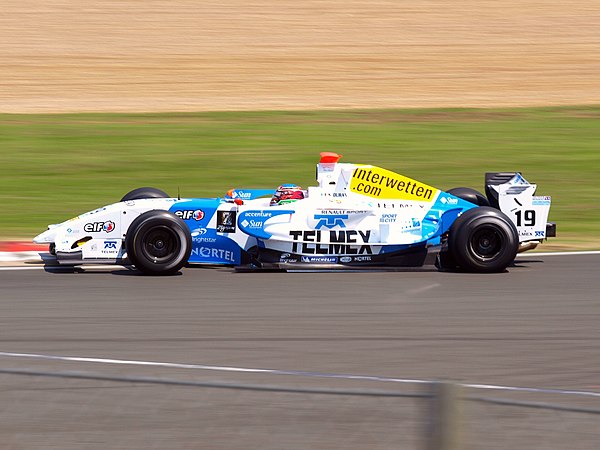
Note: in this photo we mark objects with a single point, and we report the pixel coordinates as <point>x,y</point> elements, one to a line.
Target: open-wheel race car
<point>357,217</point>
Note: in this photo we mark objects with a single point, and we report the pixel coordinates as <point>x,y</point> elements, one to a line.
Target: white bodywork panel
<point>528,212</point>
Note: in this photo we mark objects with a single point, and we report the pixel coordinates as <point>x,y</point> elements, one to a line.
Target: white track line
<point>203,367</point>
<point>588,252</point>
<point>299,373</point>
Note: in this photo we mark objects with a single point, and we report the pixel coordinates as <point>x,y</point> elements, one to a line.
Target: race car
<point>358,216</point>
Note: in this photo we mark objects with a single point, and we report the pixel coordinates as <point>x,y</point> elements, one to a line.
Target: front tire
<point>483,240</point>
<point>158,243</point>
<point>144,192</point>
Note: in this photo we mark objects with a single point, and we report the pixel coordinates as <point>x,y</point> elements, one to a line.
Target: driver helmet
<point>287,193</point>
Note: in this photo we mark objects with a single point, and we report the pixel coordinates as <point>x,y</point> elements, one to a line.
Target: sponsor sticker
<point>288,258</point>
<point>390,205</point>
<point>330,220</point>
<point>199,231</point>
<point>215,253</point>
<point>540,201</point>
<point>388,218</point>
<point>319,259</point>
<point>110,247</point>
<point>96,227</point>
<point>255,220</point>
<point>226,221</point>
<point>199,235</point>
<point>260,214</point>
<point>384,184</point>
<point>197,214</point>
<point>203,239</point>
<point>343,242</point>
<point>241,194</point>
<point>449,201</point>
<point>334,194</point>
<point>333,211</point>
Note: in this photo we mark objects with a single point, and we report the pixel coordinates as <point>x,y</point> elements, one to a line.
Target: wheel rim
<point>486,243</point>
<point>160,244</point>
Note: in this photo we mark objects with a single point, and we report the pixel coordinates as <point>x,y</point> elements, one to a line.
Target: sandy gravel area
<point>189,55</point>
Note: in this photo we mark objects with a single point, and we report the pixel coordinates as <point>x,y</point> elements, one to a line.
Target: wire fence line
<point>282,389</point>
<point>444,418</point>
<point>214,385</point>
<point>535,405</point>
<point>275,388</point>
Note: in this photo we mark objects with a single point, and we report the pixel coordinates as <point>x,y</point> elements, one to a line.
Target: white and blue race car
<point>358,216</point>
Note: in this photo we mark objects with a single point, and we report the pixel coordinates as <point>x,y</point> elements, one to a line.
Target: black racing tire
<point>470,195</point>
<point>144,192</point>
<point>483,240</point>
<point>158,243</point>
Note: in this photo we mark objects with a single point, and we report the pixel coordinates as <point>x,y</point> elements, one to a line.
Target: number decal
<point>525,218</point>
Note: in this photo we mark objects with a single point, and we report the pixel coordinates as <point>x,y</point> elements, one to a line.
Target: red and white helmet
<point>287,193</point>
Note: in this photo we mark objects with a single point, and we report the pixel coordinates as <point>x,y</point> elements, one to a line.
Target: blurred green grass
<point>56,166</point>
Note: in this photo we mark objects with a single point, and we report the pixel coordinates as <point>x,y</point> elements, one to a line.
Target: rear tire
<point>483,240</point>
<point>158,243</point>
<point>470,195</point>
<point>144,192</point>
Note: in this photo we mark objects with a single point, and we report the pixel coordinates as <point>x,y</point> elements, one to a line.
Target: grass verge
<point>57,166</point>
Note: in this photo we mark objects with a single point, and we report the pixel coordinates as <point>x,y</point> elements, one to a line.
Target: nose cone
<point>47,236</point>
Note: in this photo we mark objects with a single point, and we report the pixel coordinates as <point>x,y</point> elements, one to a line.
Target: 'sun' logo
<point>330,221</point>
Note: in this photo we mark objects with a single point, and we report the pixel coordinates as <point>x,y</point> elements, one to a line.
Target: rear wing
<point>514,196</point>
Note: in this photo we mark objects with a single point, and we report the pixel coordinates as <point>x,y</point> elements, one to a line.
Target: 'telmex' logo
<point>330,221</point>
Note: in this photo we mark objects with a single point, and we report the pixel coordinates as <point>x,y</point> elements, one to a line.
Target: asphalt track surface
<point>535,325</point>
